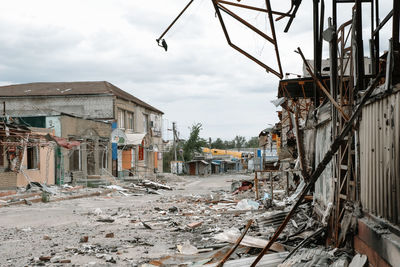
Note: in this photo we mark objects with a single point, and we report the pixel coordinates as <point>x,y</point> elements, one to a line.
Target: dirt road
<point>54,233</point>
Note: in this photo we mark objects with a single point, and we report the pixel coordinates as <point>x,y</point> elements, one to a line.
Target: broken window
<point>33,157</point>
<point>130,121</point>
<point>121,118</point>
<point>103,154</point>
<point>145,123</point>
<point>75,160</point>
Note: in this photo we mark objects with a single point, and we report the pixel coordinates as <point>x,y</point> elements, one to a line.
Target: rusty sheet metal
<point>380,158</point>
<point>324,186</point>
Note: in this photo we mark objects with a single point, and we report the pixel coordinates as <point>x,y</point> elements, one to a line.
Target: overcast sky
<point>200,78</point>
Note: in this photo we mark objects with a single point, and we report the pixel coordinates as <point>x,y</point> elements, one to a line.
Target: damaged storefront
<point>26,156</point>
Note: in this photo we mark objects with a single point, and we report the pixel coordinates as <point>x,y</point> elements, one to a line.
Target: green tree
<point>167,158</point>
<point>253,142</point>
<point>239,141</point>
<point>229,144</point>
<point>194,143</point>
<point>218,144</point>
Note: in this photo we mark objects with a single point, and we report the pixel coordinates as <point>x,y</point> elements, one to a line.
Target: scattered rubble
<point>184,227</point>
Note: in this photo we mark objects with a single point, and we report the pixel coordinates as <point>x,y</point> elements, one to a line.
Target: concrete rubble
<point>190,221</point>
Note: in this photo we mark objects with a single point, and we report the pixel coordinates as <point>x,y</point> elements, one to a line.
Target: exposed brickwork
<point>8,180</point>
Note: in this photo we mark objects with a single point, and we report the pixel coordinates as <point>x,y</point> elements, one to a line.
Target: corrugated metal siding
<point>324,185</point>
<point>380,158</point>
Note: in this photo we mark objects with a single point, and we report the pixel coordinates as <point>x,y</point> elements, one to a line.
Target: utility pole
<point>174,133</point>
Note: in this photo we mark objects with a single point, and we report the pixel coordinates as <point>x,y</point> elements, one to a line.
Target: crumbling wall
<point>45,173</point>
<point>8,180</point>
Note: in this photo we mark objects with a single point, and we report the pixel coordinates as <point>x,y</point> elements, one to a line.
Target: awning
<point>65,143</point>
<point>134,139</point>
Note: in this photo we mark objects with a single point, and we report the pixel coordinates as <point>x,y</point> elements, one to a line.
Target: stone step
<point>92,182</point>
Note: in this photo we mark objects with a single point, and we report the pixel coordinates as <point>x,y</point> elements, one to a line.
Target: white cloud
<point>199,79</point>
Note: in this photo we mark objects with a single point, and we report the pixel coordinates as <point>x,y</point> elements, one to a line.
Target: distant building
<point>326,68</point>
<point>133,147</point>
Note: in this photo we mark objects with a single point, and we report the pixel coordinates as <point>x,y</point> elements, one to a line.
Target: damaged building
<point>26,156</point>
<point>339,123</point>
<point>120,134</point>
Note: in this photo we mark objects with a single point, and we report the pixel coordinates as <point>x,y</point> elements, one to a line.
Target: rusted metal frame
<point>317,55</point>
<point>396,41</point>
<point>173,22</point>
<point>254,8</point>
<point>272,185</point>
<point>345,156</point>
<point>321,86</point>
<point>305,242</point>
<point>396,24</point>
<point>321,166</point>
<point>376,37</point>
<point>344,25</point>
<point>292,17</point>
<point>287,92</point>
<point>343,182</point>
<point>237,243</point>
<point>360,48</point>
<point>334,61</point>
<point>338,211</point>
<point>300,147</point>
<point>345,66</point>
<point>256,185</point>
<point>238,18</point>
<point>383,23</point>
<point>371,40</point>
<point>342,157</point>
<point>302,88</point>
<point>343,40</point>
<point>324,83</point>
<point>321,30</point>
<point>271,21</point>
<point>267,68</point>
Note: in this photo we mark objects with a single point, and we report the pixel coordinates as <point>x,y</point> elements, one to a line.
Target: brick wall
<point>8,180</point>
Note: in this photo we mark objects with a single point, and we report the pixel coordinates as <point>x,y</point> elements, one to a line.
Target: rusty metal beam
<point>173,22</point>
<point>253,8</point>
<point>322,87</point>
<point>384,21</point>
<point>271,21</point>
<point>226,257</point>
<point>300,147</point>
<point>267,68</point>
<point>322,165</point>
<point>235,16</point>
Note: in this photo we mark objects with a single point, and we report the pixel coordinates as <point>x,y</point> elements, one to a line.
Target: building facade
<point>94,102</point>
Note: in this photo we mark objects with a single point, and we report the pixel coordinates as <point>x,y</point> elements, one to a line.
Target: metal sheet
<point>324,185</point>
<point>380,158</point>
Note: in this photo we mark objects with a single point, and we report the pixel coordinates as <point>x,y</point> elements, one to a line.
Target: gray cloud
<point>199,79</point>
